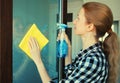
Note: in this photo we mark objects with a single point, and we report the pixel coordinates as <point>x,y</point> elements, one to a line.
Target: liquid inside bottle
<point>62,47</point>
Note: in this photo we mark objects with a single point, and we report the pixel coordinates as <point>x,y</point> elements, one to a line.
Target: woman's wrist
<point>38,61</point>
<point>69,46</point>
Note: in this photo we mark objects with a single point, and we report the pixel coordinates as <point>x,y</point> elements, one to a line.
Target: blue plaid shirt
<point>89,66</point>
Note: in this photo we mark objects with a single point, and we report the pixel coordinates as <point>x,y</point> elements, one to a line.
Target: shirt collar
<point>89,49</point>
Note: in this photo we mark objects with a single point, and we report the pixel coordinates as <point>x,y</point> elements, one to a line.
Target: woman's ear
<point>90,27</point>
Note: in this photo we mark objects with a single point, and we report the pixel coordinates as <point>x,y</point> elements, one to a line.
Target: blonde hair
<point>101,16</point>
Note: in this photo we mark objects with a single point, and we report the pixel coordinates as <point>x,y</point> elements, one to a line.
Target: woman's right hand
<point>68,59</point>
<point>66,39</point>
<point>34,49</point>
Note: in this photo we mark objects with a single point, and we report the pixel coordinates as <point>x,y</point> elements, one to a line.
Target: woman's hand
<point>68,59</point>
<point>34,49</point>
<point>35,54</point>
<point>66,39</point>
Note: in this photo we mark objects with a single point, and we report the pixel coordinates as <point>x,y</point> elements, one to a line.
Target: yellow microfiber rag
<point>34,32</point>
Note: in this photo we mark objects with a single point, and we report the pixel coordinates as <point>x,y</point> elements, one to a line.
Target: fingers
<point>67,40</point>
<point>65,37</point>
<point>58,37</point>
<point>29,45</point>
<point>32,43</point>
<point>36,43</point>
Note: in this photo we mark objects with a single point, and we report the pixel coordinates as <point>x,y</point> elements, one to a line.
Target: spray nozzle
<point>62,25</point>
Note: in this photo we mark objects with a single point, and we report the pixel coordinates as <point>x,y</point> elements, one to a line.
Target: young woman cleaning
<point>97,62</point>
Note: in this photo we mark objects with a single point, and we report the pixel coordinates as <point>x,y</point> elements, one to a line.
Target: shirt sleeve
<point>85,71</point>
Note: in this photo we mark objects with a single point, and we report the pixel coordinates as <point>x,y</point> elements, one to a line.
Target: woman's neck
<point>88,40</point>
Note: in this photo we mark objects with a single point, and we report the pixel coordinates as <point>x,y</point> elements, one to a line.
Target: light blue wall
<point>25,13</point>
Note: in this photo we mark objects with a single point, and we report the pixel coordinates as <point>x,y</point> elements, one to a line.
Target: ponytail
<point>111,49</point>
<point>101,16</point>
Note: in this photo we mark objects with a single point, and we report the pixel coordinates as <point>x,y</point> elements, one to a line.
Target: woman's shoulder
<point>97,55</point>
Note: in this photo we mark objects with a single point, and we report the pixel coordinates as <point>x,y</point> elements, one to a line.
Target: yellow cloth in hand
<point>34,32</point>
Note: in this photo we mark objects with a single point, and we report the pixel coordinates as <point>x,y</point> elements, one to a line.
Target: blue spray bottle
<point>62,47</point>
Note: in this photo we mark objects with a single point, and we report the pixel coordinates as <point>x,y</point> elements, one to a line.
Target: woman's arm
<point>68,59</point>
<point>35,54</point>
<point>42,71</point>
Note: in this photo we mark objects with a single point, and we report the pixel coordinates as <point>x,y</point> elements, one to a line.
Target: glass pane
<point>43,14</point>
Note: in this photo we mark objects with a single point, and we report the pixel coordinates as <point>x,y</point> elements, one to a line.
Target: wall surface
<point>113,4</point>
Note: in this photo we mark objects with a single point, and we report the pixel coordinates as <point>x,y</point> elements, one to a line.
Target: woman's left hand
<point>34,49</point>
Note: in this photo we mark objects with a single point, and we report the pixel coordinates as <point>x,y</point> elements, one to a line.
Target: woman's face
<point>80,24</point>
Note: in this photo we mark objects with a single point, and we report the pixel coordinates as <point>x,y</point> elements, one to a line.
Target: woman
<point>97,61</point>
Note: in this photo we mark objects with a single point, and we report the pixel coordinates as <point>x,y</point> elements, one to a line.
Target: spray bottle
<point>62,47</point>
